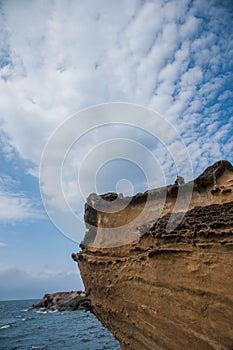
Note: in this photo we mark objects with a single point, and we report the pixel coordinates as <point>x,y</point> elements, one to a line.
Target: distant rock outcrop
<point>62,301</point>
<point>164,289</point>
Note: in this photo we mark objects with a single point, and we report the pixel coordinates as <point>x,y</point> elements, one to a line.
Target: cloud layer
<point>172,56</point>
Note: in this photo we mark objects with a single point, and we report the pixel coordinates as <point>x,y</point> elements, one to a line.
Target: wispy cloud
<point>2,244</point>
<point>15,206</point>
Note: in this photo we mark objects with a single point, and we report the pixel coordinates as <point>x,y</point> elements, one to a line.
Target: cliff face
<point>166,287</point>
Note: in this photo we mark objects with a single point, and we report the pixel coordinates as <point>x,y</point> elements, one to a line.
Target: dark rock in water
<point>63,301</point>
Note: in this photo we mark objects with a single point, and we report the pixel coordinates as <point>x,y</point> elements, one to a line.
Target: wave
<point>41,312</point>
<point>45,311</point>
<point>5,326</point>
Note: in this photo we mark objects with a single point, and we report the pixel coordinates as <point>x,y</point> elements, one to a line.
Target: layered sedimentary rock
<point>62,301</point>
<point>159,266</point>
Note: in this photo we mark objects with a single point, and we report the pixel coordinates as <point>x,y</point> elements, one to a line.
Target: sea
<point>38,329</point>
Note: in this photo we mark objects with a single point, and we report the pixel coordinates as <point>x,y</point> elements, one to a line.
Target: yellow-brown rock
<point>164,288</point>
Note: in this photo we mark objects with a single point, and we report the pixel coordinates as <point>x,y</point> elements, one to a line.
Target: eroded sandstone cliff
<point>165,280</point>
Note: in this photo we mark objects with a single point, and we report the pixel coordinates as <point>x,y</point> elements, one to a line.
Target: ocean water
<point>77,330</point>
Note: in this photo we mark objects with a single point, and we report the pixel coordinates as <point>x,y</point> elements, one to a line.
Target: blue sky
<point>57,58</point>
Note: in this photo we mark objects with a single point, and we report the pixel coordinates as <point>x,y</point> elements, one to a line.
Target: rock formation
<point>161,276</point>
<point>64,301</point>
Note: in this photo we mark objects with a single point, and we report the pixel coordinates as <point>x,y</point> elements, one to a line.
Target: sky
<point>171,60</point>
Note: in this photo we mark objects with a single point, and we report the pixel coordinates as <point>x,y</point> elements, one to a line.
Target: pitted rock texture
<point>132,214</point>
<point>169,290</point>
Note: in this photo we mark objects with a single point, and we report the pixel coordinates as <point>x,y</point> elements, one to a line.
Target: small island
<point>64,301</point>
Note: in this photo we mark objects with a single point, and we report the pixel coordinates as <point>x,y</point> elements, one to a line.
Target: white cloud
<point>191,78</point>
<point>15,206</point>
<point>225,95</point>
<point>2,244</point>
<point>190,27</point>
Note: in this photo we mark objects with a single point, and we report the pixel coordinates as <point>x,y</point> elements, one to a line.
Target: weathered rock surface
<point>62,301</point>
<point>165,289</point>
